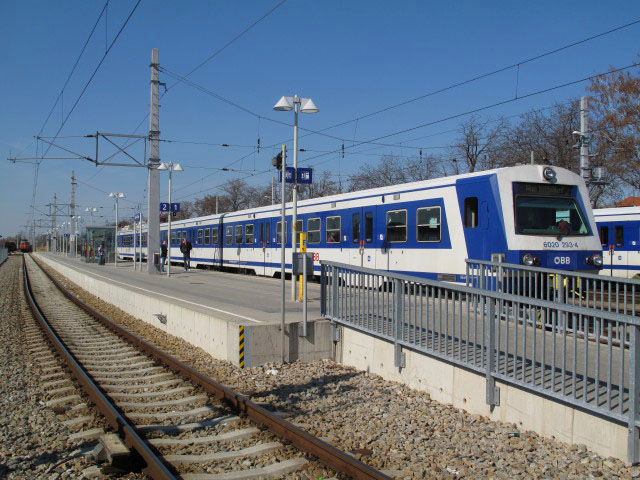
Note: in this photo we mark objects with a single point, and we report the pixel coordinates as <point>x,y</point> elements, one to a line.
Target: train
<point>619,232</point>
<point>532,215</point>
<point>25,246</point>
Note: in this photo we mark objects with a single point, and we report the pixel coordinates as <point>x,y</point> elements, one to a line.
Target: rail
<point>522,341</point>
<point>328,455</point>
<point>154,466</point>
<point>611,294</point>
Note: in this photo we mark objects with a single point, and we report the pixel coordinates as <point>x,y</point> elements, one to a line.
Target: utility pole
<point>585,172</point>
<point>153,187</point>
<point>54,225</point>
<point>72,208</point>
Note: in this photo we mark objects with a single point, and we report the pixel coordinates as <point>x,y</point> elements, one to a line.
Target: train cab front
<point>553,225</point>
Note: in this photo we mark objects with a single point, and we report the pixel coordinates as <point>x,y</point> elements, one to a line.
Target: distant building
<point>629,202</point>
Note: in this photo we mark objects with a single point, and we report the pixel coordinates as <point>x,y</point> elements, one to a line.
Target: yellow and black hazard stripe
<point>241,346</point>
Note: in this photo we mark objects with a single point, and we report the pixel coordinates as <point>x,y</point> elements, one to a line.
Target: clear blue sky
<point>352,58</point>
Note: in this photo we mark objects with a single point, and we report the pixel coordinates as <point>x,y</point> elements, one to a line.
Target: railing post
<point>634,393</point>
<point>323,289</point>
<point>334,292</point>
<point>493,393</point>
<point>398,322</point>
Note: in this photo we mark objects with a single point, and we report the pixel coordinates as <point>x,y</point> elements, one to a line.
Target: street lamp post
<point>78,219</point>
<point>117,196</point>
<point>91,211</point>
<point>304,105</point>
<point>171,167</point>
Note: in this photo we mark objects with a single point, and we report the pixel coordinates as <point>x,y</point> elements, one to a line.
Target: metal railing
<point>515,339</point>
<point>611,294</point>
<point>4,254</point>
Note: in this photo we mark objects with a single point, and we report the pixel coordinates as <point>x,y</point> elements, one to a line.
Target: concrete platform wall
<point>218,336</point>
<point>466,390</point>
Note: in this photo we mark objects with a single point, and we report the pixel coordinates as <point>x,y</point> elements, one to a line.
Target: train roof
<point>617,212</point>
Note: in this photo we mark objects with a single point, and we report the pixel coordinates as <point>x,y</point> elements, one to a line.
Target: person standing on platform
<point>185,248</point>
<point>101,254</point>
<point>163,255</point>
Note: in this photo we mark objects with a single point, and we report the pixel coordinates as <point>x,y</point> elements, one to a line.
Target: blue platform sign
<point>136,218</point>
<point>305,175</point>
<point>164,207</point>
<point>290,175</point>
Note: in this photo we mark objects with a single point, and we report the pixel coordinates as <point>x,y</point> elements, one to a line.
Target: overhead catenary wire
<point>482,108</point>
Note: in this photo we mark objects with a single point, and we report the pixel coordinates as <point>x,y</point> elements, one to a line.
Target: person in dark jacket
<point>185,248</point>
<point>163,255</point>
<point>101,253</point>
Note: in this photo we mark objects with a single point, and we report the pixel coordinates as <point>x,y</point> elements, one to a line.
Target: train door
<point>632,234</point>
<point>482,221</point>
<point>361,248</point>
<point>620,251</point>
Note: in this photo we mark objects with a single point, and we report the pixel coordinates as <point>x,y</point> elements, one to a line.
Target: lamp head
<point>177,167</point>
<point>283,105</point>
<point>162,166</point>
<point>309,107</point>
<point>112,195</point>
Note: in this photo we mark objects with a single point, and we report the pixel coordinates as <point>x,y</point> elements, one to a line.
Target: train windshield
<point>549,215</point>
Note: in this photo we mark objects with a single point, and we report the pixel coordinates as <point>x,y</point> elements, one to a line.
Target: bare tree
<point>617,125</point>
<point>477,140</point>
<point>392,170</point>
<point>548,134</point>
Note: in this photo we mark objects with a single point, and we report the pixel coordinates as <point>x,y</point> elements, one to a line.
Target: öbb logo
<point>562,260</point>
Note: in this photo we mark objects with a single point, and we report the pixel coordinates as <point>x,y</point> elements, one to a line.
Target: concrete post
<point>153,188</point>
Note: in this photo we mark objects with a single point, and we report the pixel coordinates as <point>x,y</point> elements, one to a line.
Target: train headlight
<point>549,174</point>
<point>596,259</point>
<point>528,260</point>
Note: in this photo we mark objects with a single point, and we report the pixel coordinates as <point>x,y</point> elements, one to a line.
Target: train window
<point>368,227</point>
<point>428,224</point>
<point>267,232</point>
<point>334,229</point>
<point>397,226</point>
<point>214,236</point>
<point>228,235</point>
<point>471,212</point>
<point>278,231</point>
<point>314,227</point>
<point>238,234</point>
<point>604,236</point>
<point>299,226</point>
<point>619,236</point>
<point>144,240</point>
<point>173,238</point>
<point>355,227</point>
<point>207,236</point>
<point>546,215</point>
<point>200,236</point>
<point>248,237</point>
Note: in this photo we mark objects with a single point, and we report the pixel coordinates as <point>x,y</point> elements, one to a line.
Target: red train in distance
<point>25,246</point>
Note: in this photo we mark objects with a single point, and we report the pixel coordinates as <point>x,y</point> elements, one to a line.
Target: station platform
<point>233,317</point>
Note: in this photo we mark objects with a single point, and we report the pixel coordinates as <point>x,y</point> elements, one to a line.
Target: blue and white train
<point>531,215</point>
<point>619,230</point>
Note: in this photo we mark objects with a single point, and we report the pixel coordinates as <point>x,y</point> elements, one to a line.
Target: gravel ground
<point>386,424</point>
<point>33,442</point>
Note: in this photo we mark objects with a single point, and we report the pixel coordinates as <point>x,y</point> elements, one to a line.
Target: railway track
<point>177,422</point>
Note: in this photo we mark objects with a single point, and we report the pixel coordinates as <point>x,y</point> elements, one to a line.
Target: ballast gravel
<point>34,443</point>
<point>385,424</point>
